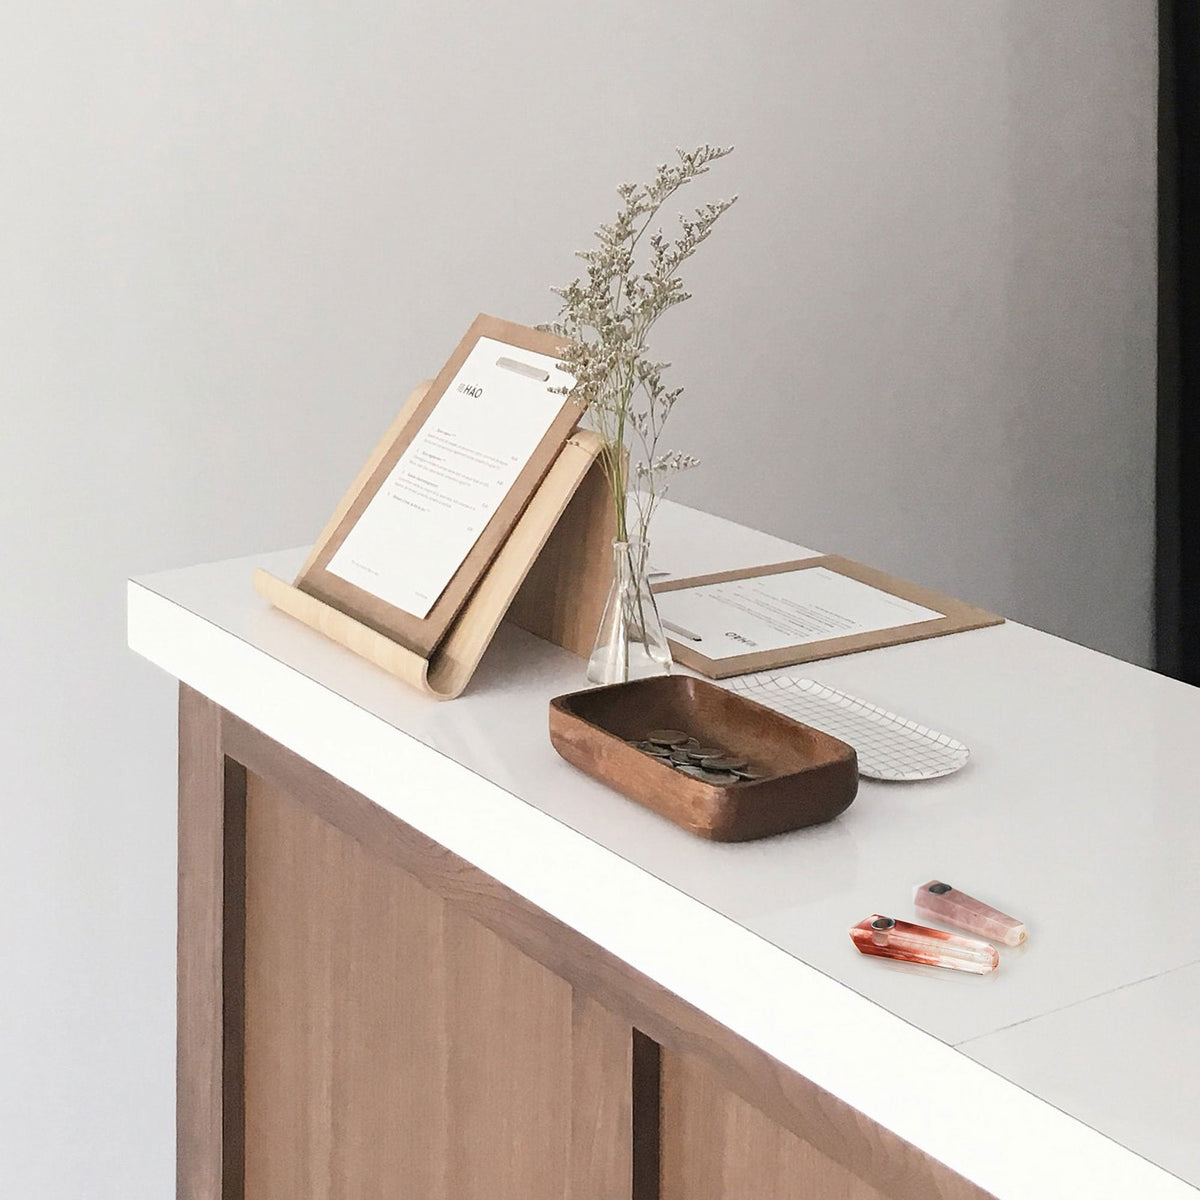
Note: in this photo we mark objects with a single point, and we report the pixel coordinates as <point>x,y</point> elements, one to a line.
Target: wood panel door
<point>715,1145</point>
<point>394,1047</point>
<point>364,1014</point>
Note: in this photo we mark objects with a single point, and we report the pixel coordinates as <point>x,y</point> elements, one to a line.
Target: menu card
<point>436,501</point>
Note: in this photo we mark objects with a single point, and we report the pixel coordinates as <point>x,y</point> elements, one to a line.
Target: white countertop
<point>1072,1071</point>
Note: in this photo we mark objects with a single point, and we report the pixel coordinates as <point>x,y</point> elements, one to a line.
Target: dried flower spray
<point>632,279</point>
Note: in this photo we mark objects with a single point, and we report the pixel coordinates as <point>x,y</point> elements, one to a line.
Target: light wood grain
<point>716,1146</point>
<point>563,596</point>
<point>334,624</point>
<point>446,672</point>
<point>601,1115</point>
<point>456,659</point>
<point>395,1047</point>
<point>509,1067</point>
<point>330,1020</point>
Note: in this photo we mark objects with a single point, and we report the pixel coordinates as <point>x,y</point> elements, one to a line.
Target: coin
<point>721,777</point>
<point>668,737</point>
<point>688,755</point>
<point>724,762</point>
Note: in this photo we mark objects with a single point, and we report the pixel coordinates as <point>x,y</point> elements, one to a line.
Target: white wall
<point>231,236</point>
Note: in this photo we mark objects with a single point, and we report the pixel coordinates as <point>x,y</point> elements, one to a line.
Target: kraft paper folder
<point>956,618</point>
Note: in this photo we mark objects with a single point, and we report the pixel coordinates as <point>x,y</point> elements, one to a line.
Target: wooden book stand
<point>551,575</point>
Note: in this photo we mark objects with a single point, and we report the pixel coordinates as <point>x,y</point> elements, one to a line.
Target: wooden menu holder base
<point>551,577</point>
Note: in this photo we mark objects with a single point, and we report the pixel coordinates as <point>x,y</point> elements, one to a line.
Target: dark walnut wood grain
<point>808,776</point>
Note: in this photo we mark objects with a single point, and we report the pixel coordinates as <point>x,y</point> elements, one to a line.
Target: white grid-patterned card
<point>888,746</point>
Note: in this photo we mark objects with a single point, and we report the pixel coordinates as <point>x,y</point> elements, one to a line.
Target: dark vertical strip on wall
<point>1178,490</point>
<point>1166,557</point>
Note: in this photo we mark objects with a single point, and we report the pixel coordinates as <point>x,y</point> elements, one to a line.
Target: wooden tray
<point>808,776</point>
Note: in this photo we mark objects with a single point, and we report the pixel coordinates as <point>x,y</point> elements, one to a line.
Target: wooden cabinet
<point>363,1015</point>
<point>395,1047</point>
<point>717,1146</point>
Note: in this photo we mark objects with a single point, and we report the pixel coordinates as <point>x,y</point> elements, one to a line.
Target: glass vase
<point>630,643</point>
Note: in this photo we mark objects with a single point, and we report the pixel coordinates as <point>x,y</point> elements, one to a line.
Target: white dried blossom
<point>652,476</point>
<point>605,318</point>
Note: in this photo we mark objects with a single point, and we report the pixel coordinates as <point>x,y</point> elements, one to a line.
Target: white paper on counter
<point>773,612</point>
<point>437,500</point>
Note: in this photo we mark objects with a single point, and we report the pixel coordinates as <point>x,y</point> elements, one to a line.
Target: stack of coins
<point>676,748</point>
